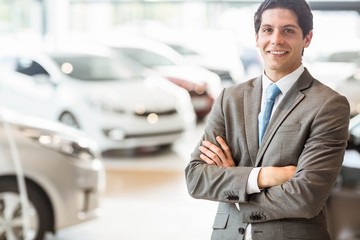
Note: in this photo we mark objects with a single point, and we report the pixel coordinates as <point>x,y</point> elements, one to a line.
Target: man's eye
<point>289,30</point>
<point>267,30</point>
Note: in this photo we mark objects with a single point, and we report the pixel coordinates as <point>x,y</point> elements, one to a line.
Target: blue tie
<point>271,93</point>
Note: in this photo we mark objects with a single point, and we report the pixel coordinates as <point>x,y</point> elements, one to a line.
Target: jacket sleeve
<point>212,182</point>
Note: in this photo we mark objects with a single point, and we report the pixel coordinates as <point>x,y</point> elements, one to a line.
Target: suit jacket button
<point>241,230</point>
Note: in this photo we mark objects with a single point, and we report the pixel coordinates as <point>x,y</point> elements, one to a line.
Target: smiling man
<point>274,145</point>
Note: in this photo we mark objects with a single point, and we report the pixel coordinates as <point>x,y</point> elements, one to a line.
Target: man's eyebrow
<point>290,25</point>
<point>266,25</point>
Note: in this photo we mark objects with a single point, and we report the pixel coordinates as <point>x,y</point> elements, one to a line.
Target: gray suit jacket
<point>309,129</point>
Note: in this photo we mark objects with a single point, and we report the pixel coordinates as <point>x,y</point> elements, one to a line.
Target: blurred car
<point>340,70</point>
<point>346,195</point>
<point>230,72</point>
<point>334,66</point>
<point>214,50</point>
<point>354,131</point>
<point>350,88</point>
<point>62,175</point>
<point>346,56</point>
<point>100,95</point>
<point>350,174</point>
<point>203,85</point>
<point>250,57</point>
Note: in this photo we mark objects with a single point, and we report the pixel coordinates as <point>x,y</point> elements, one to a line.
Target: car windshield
<point>94,68</point>
<point>147,58</point>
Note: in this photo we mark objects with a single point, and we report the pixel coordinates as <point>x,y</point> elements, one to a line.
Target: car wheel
<point>11,212</point>
<point>69,119</point>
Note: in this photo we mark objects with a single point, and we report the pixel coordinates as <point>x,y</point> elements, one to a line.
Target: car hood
<point>18,119</point>
<point>130,95</point>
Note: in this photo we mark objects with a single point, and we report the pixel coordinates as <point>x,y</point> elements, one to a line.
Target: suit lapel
<point>289,102</point>
<point>252,103</point>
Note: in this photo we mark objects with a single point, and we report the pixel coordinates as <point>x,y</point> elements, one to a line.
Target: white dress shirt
<point>284,85</point>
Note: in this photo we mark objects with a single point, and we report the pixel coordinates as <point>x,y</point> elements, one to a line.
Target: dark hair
<point>299,7</point>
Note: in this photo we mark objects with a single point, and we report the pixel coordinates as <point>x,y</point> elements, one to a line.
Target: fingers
<point>214,155</point>
<point>213,149</point>
<point>211,153</point>
<point>225,148</point>
<point>207,160</point>
<point>228,160</point>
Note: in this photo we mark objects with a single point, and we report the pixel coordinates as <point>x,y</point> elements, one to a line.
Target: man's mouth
<point>277,52</point>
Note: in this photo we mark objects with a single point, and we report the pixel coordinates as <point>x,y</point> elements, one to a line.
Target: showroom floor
<point>146,199</point>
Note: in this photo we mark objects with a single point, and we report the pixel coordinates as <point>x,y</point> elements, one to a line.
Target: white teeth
<point>277,52</point>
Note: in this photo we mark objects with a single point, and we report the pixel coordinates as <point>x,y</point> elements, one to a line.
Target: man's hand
<point>214,155</point>
<point>272,176</point>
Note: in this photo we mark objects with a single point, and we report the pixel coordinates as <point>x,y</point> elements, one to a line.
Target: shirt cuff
<point>252,183</point>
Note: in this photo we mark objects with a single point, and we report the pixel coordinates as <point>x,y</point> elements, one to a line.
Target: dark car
<point>344,202</point>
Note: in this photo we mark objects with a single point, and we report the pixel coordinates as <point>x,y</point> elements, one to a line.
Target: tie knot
<point>272,91</point>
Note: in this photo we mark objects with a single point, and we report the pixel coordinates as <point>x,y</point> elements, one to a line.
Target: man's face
<point>281,42</point>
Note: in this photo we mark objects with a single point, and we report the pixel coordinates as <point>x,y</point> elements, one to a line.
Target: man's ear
<point>307,39</point>
<point>256,40</point>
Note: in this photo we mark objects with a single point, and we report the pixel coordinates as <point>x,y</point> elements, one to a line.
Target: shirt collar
<point>284,83</point>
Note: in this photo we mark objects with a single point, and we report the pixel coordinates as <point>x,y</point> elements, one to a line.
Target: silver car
<point>58,167</point>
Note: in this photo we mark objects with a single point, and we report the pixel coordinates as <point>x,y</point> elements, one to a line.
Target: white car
<point>212,49</point>
<point>215,50</point>
<point>230,72</point>
<point>55,167</point>
<point>203,85</point>
<point>340,69</point>
<point>333,67</point>
<point>99,95</point>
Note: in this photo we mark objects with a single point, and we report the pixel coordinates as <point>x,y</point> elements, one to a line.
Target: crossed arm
<point>268,176</point>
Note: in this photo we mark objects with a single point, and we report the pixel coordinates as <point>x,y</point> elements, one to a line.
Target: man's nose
<point>277,38</point>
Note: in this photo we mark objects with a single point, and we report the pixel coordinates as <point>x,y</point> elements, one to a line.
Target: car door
<point>28,89</point>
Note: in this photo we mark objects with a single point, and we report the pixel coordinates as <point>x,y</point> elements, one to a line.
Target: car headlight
<point>70,145</point>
